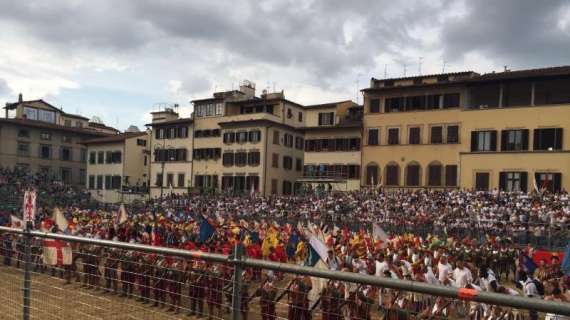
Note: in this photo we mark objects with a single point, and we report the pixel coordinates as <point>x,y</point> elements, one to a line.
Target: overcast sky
<point>120,59</point>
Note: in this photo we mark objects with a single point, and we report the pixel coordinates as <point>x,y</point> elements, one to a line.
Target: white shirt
<point>529,288</point>
<point>462,277</point>
<point>443,271</point>
<point>380,268</point>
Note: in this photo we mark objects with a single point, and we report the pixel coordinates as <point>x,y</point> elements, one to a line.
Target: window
<point>241,137</point>
<point>287,163</point>
<point>372,175</point>
<point>91,184</point>
<point>100,157</point>
<point>67,123</point>
<point>289,113</point>
<point>288,140</point>
<point>181,180</point>
<point>228,159</point>
<point>170,180</point>
<point>514,140</point>
<point>300,116</point>
<point>287,187</point>
<point>452,134</point>
<point>373,137</point>
<point>109,157</point>
<point>254,136</point>
<point>275,160</point>
<point>436,136</point>
<point>141,142</point>
<point>548,139</point>
<point>66,139</point>
<point>415,103</point>
<point>99,182</point>
<point>451,100</point>
<point>215,132</point>
<point>92,157</point>
<point>298,164</point>
<point>229,137</point>
<point>22,133</point>
<point>240,158</point>
<point>326,118</point>
<point>392,175</point>
<point>394,104</point>
<point>45,151</point>
<point>432,101</point>
<point>253,158</point>
<point>393,136</point>
<point>116,182</point>
<point>65,154</point>
<point>274,183</point>
<point>451,176</point>
<point>484,141</point>
<point>354,144</point>
<point>108,182</point>
<point>550,181</point>
<point>227,182</point>
<point>299,143</point>
<point>83,155</point>
<point>374,105</point>
<point>434,175</point>
<point>275,137</point>
<point>116,157</point>
<point>513,181</point>
<point>353,171</point>
<point>252,183</point>
<point>482,181</point>
<point>23,149</point>
<point>413,175</point>
<point>45,136</point>
<point>414,136</point>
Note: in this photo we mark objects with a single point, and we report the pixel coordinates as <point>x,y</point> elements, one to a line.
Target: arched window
<point>392,174</point>
<point>435,174</point>
<point>413,174</point>
<point>372,174</point>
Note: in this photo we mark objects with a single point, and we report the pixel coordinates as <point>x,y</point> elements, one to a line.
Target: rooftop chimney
<point>20,98</point>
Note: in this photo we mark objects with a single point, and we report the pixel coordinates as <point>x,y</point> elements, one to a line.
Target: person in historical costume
<point>299,298</point>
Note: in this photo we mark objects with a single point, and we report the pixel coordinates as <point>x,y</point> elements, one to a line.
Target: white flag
<point>59,219</point>
<point>16,222</point>
<point>29,206</point>
<point>57,252</point>
<point>379,234</point>
<point>123,217</point>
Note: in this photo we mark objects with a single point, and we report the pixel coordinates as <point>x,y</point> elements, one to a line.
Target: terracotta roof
<point>102,126</point>
<point>166,123</point>
<point>45,125</point>
<point>327,105</point>
<point>461,73</point>
<point>521,74</point>
<point>115,138</point>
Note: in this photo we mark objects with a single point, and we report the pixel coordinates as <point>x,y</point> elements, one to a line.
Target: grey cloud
<point>519,33</point>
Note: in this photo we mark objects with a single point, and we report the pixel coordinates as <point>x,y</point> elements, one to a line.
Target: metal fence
<point>117,280</point>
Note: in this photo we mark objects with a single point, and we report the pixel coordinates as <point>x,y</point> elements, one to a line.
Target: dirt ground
<point>51,298</point>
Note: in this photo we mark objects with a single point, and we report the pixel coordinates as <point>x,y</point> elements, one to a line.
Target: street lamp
<point>157,148</point>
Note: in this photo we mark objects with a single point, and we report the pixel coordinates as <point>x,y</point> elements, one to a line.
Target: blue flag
<point>566,261</point>
<point>528,265</point>
<point>292,245</point>
<point>312,258</point>
<point>206,230</point>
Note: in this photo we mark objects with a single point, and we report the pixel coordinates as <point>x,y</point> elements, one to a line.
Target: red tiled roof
<point>45,125</point>
<point>115,138</point>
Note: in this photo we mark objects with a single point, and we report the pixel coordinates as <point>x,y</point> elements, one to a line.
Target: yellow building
<point>332,146</point>
<point>118,167</point>
<point>171,146</point>
<point>41,138</point>
<point>506,130</point>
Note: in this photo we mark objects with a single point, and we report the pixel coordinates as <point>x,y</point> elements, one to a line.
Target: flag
<point>317,257</point>
<point>292,245</point>
<point>206,230</point>
<point>57,252</point>
<point>29,206</point>
<point>566,261</point>
<point>319,248</point>
<point>378,233</point>
<point>59,219</point>
<point>527,264</point>
<point>16,222</point>
<point>534,184</point>
<point>123,217</point>
<point>270,240</point>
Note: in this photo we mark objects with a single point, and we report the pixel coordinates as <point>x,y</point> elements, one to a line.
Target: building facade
<point>333,146</point>
<point>506,130</point>
<point>171,145</point>
<point>41,138</point>
<point>118,167</point>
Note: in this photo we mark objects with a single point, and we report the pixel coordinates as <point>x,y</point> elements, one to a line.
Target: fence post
<point>236,294</point>
<point>27,267</point>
